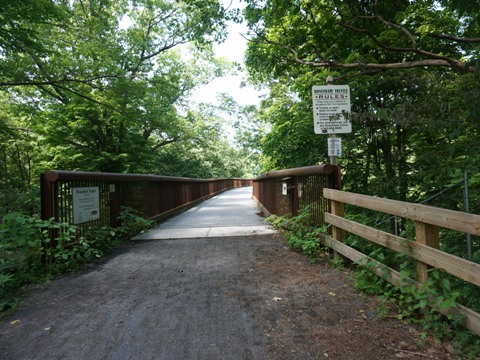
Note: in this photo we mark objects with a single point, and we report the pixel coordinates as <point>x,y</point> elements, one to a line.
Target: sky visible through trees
<point>82,91</point>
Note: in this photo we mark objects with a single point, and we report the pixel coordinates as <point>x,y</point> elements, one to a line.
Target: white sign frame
<point>86,204</point>
<point>330,102</point>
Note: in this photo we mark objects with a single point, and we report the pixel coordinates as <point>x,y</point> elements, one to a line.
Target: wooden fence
<point>425,250</point>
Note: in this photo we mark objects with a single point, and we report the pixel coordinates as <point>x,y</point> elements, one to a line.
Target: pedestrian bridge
<point>231,213</point>
<point>210,290</point>
<point>228,210</point>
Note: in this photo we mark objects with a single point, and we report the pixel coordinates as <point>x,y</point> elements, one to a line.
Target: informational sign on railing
<point>330,103</point>
<point>86,204</point>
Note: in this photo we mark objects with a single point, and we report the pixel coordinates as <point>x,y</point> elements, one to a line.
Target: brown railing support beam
<point>429,235</point>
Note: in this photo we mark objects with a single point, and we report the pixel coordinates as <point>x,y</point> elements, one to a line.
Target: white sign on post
<point>334,146</point>
<point>86,204</point>
<point>329,104</point>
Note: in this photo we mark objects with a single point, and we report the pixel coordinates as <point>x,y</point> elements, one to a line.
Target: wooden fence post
<point>337,208</point>
<point>426,234</point>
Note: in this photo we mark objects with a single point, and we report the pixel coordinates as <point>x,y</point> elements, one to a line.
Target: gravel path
<point>214,298</point>
<point>154,300</point>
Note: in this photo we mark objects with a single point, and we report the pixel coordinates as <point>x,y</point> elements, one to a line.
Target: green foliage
<point>20,20</point>
<point>291,141</point>
<point>348,36</point>
<point>131,223</point>
<point>368,282</point>
<point>467,343</point>
<point>103,86</point>
<point>421,305</point>
<point>337,261</point>
<point>300,234</point>
<point>22,240</point>
<point>32,249</point>
<point>414,131</point>
<point>67,253</point>
<point>205,152</point>
<point>412,301</point>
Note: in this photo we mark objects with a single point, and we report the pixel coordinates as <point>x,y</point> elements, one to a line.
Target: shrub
<point>29,252</point>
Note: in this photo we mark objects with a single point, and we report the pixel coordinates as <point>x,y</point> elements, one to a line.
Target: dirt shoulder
<point>215,298</point>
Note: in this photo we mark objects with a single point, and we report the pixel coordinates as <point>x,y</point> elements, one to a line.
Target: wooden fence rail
<point>425,249</point>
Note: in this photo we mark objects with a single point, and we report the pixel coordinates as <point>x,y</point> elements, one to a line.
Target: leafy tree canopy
<point>362,36</point>
<point>415,98</point>
<point>102,85</point>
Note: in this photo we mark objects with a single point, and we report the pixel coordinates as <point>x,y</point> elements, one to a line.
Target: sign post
<point>330,104</point>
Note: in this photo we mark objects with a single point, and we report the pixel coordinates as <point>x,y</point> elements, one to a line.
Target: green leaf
<point>448,304</point>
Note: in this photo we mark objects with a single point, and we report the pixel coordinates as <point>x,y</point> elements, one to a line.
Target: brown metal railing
<point>154,197</point>
<point>304,188</point>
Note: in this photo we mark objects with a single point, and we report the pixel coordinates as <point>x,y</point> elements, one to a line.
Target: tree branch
<point>432,59</point>
<point>455,38</point>
<point>450,63</point>
<point>165,142</point>
<point>108,106</point>
<point>395,26</point>
<point>154,21</point>
<point>52,94</point>
<point>453,63</point>
<point>57,81</point>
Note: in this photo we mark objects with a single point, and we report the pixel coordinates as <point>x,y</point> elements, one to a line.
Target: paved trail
<point>155,300</point>
<point>233,213</point>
